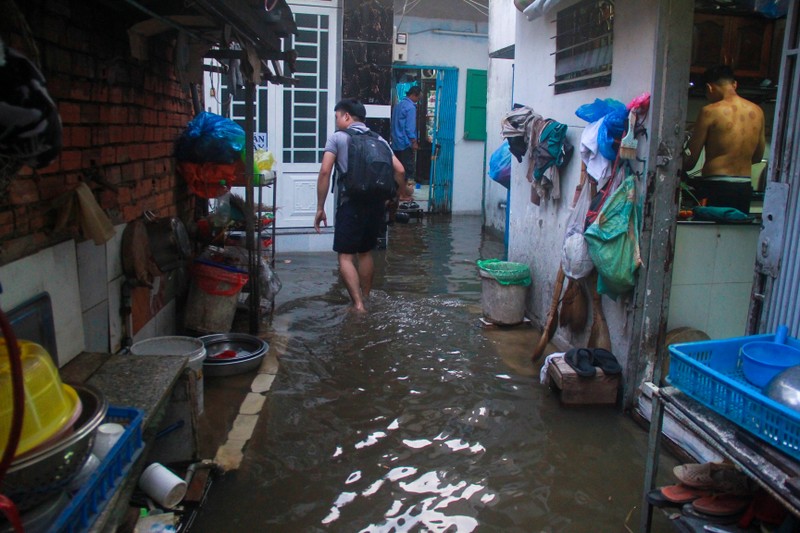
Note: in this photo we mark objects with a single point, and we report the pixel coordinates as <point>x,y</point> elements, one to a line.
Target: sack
<point>500,165</point>
<point>370,172</point>
<point>575,259</point>
<point>613,240</point>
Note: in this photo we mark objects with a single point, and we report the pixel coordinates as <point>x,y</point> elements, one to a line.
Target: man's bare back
<point>731,130</point>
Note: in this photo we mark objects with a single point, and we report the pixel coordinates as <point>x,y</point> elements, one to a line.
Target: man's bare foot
<point>358,308</point>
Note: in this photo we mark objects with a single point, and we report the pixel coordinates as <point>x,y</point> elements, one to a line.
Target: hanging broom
<point>551,323</point>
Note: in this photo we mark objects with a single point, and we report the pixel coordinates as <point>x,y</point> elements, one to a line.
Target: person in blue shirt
<point>404,131</point>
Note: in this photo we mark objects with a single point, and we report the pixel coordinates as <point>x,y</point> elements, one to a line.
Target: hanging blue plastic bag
<point>210,138</point>
<point>500,165</point>
<point>614,114</point>
<point>613,240</point>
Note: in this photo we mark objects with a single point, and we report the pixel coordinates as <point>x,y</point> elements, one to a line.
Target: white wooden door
<point>303,117</point>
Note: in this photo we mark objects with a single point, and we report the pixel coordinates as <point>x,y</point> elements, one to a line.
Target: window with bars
<point>305,105</point>
<point>584,45</point>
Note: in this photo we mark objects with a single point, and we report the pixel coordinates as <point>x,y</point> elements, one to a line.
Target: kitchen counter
<point>146,383</point>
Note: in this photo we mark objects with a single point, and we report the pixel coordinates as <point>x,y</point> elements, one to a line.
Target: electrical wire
<point>480,8</point>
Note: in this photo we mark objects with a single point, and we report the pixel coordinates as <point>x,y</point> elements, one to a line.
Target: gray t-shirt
<point>338,144</point>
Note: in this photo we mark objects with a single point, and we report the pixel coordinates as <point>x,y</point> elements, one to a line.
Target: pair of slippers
<point>705,501</point>
<point>585,361</point>
<point>408,206</point>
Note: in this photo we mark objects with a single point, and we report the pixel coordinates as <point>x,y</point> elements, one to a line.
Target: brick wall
<point>120,119</point>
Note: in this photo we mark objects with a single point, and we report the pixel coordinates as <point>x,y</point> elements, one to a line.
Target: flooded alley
<point>415,417</point>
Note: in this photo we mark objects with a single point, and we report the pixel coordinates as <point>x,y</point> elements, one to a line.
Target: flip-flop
<point>606,361</point>
<point>681,493</point>
<point>581,360</point>
<point>720,477</point>
<point>721,504</point>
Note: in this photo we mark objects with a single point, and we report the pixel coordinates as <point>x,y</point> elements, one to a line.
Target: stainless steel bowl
<point>784,388</point>
<point>248,350</point>
<point>38,476</point>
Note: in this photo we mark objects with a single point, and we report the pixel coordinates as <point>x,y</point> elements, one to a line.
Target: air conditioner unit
<point>428,73</point>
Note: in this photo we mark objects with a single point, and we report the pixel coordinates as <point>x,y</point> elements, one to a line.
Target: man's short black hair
<point>414,90</point>
<point>719,73</point>
<point>352,106</point>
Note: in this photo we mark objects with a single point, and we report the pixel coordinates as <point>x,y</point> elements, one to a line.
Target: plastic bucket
<point>502,304</point>
<point>213,295</point>
<point>193,348</point>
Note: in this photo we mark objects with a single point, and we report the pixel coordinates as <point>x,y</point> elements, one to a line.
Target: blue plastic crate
<point>711,373</point>
<point>89,501</point>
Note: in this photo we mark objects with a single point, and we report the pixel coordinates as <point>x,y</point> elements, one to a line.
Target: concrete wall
<point>502,29</point>
<point>536,232</point>
<point>428,48</point>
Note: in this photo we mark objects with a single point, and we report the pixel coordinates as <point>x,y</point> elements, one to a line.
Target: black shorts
<point>724,193</point>
<point>409,162</point>
<point>358,226</point>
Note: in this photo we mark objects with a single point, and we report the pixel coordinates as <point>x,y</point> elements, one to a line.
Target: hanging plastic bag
<point>575,259</point>
<point>500,165</point>
<point>210,138</point>
<point>613,240</point>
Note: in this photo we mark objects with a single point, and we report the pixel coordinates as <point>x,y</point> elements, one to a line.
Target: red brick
<point>70,160</point>
<point>52,187</point>
<point>23,191</point>
<point>124,196</point>
<point>70,112</point>
<point>108,199</point>
<point>90,157</point>
<point>100,92</point>
<point>113,174</point>
<point>108,155</point>
<point>131,212</point>
<point>82,65</point>
<point>90,113</point>
<point>79,136</point>
<point>122,154</point>
<point>80,90</point>
<point>116,95</point>
<point>100,135</point>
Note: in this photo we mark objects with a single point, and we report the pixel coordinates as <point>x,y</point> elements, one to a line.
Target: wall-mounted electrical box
<point>400,47</point>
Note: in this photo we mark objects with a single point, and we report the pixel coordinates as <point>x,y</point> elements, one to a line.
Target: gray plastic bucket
<point>502,304</point>
<point>193,348</point>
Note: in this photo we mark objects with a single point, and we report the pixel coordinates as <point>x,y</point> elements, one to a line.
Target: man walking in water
<point>731,129</point>
<point>358,222</point>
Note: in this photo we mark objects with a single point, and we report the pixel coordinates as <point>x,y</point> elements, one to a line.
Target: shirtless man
<point>731,129</point>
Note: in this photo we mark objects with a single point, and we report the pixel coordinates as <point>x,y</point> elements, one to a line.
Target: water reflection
<point>414,417</point>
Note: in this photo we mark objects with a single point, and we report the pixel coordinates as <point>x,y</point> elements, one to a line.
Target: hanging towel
<point>547,361</point>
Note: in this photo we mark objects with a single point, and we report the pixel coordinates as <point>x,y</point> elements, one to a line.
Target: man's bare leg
<point>349,273</point>
<point>366,268</point>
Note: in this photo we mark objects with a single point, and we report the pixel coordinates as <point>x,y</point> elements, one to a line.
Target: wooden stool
<point>575,390</point>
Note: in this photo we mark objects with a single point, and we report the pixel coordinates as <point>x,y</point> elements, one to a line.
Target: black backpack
<point>370,172</point>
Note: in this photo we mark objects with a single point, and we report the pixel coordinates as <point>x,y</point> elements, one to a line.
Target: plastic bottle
<point>221,206</point>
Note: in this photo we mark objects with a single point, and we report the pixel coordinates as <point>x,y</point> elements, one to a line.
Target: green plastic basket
<point>506,272</point>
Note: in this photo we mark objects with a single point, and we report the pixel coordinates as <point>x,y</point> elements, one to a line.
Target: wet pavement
<point>415,417</point>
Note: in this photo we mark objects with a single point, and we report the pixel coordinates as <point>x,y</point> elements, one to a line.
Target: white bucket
<point>176,345</point>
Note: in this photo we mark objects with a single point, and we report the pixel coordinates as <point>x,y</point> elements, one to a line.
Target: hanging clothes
<point>544,143</point>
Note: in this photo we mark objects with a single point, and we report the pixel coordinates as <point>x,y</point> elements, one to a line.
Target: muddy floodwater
<point>415,417</point>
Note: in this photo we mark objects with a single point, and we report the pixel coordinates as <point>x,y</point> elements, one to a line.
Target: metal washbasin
<point>228,354</point>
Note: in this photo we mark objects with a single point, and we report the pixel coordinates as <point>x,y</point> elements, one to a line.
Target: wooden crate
<point>575,390</point>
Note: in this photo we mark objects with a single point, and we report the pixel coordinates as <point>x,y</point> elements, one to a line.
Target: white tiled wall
<point>712,278</point>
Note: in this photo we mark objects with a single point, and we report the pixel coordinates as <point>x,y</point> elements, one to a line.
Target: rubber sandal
<point>581,360</point>
<point>606,361</point>
<point>681,493</point>
<point>721,504</point>
<point>720,477</point>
